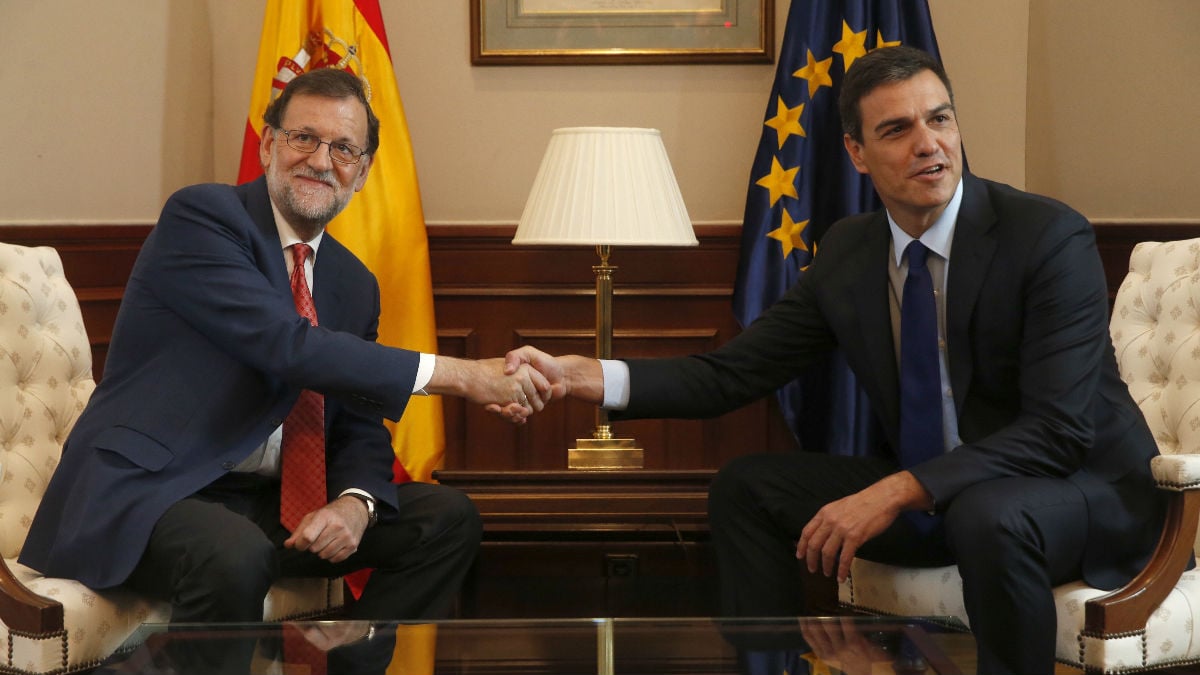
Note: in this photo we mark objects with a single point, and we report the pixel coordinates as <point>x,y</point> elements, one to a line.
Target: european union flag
<point>802,182</point>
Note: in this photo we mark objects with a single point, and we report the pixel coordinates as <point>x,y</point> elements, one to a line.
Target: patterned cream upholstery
<point>45,380</point>
<point>1156,332</point>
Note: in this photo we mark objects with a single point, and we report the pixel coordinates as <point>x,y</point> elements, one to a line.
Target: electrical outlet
<point>623,565</point>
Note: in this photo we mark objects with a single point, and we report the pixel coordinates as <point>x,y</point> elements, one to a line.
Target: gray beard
<point>307,220</point>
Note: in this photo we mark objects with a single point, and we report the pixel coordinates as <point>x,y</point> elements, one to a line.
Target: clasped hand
<point>515,393</point>
<point>545,372</point>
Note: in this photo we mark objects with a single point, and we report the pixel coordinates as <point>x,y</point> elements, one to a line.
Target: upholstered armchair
<point>1152,622</point>
<point>57,625</point>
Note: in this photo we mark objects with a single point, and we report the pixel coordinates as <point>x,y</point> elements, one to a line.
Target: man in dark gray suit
<point>1042,471</point>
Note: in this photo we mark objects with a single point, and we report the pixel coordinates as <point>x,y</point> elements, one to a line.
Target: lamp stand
<point>602,451</point>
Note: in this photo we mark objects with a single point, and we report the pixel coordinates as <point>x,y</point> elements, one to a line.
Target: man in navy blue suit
<point>170,480</point>
<point>1040,467</point>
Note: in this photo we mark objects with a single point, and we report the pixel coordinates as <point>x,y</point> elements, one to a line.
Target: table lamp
<point>605,187</point>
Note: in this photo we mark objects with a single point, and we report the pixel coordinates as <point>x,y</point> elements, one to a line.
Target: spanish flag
<point>383,225</point>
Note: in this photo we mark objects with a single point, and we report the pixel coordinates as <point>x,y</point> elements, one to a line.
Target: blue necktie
<point>920,371</point>
<point>920,378</point>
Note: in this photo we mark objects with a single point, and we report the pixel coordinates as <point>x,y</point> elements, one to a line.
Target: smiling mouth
<point>934,170</point>
<point>314,181</point>
<point>308,172</point>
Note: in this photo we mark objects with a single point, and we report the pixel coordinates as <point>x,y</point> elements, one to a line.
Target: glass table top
<point>795,646</point>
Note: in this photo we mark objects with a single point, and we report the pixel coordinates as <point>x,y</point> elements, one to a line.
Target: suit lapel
<point>258,205</point>
<point>328,295</point>
<point>970,257</point>
<point>871,297</point>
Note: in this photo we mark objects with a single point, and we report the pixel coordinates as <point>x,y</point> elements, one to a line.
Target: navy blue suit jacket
<point>1032,366</point>
<point>207,357</point>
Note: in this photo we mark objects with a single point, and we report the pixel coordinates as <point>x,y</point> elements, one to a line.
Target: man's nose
<point>924,141</point>
<point>319,158</point>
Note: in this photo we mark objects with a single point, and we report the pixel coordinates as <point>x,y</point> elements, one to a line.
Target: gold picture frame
<point>566,32</point>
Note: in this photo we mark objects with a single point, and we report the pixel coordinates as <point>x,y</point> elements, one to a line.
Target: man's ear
<point>264,146</point>
<point>364,167</point>
<point>854,149</point>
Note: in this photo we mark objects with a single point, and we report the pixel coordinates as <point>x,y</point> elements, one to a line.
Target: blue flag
<point>802,182</point>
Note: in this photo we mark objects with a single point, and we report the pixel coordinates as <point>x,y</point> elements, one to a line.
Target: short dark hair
<point>883,66</point>
<point>331,83</point>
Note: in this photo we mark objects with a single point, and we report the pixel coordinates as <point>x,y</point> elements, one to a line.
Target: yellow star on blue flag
<point>816,73</point>
<point>786,121</point>
<point>790,234</point>
<point>851,46</point>
<point>780,182</point>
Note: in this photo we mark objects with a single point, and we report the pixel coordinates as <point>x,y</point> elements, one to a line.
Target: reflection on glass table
<point>796,646</point>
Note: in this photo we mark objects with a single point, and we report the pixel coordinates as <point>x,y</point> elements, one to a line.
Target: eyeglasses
<point>344,153</point>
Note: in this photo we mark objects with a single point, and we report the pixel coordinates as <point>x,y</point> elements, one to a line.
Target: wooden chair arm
<point>1128,608</point>
<point>23,610</point>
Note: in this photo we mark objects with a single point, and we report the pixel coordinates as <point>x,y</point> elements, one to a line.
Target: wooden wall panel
<point>1116,241</point>
<point>491,296</point>
<point>508,296</point>
<point>97,260</point>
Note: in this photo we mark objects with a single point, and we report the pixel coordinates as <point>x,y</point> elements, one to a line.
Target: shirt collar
<point>938,237</point>
<point>288,236</point>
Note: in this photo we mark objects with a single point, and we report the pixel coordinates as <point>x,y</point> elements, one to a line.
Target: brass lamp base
<point>607,453</point>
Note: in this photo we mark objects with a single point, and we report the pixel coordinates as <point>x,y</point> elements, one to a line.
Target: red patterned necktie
<point>302,488</point>
<point>300,653</point>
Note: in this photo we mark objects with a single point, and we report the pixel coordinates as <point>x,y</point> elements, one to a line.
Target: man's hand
<point>568,375</point>
<point>547,365</point>
<point>839,643</point>
<point>516,394</point>
<point>333,531</point>
<point>328,635</point>
<point>830,540</point>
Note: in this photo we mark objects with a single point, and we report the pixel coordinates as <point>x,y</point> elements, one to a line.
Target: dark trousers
<point>1013,540</point>
<point>214,555</point>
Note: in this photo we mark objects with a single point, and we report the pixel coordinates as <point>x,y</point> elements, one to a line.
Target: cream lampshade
<point>604,187</point>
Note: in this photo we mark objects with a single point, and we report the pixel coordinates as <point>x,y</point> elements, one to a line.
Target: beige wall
<point>1113,95</point>
<point>974,37</point>
<point>107,107</point>
<point>111,106</point>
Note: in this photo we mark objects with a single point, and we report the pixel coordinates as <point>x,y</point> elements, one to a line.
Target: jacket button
<point>228,466</point>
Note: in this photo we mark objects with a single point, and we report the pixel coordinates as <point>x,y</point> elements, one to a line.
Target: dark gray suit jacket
<point>1032,366</point>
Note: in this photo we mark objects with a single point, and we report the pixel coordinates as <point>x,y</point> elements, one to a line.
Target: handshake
<point>519,384</point>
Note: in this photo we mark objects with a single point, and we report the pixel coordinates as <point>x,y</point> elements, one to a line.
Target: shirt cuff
<point>424,374</point>
<point>367,500</point>
<point>616,384</point>
<point>356,491</point>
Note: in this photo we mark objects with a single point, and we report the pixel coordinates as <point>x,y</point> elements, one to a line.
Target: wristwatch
<point>372,514</point>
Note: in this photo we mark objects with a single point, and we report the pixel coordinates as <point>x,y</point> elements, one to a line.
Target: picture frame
<point>573,32</point>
